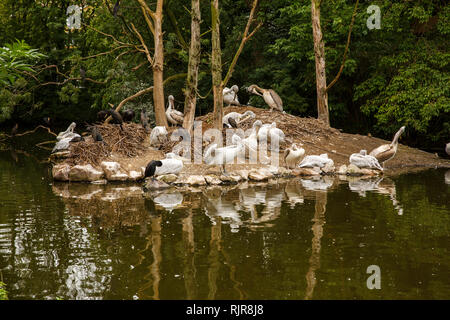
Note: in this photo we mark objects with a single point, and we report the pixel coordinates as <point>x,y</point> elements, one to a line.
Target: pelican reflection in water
<point>379,185</point>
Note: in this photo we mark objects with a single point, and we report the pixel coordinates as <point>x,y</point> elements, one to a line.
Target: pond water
<point>296,239</point>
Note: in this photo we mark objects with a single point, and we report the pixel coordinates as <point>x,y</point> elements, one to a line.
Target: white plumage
<point>169,165</point>
<point>270,133</point>
<point>363,160</point>
<point>230,96</point>
<point>293,155</point>
<point>67,133</point>
<point>221,156</point>
<point>158,136</point>
<point>316,161</point>
<point>238,117</point>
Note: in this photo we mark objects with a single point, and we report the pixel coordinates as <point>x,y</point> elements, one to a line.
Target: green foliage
<point>3,292</point>
<point>397,75</point>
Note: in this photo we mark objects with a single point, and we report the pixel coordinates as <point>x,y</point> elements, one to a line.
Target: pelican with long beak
<point>175,117</point>
<point>230,96</point>
<point>270,97</point>
<point>386,152</point>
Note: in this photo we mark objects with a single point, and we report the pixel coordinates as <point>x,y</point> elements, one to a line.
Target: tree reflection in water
<point>250,206</point>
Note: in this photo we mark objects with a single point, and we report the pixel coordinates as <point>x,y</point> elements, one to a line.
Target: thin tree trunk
<point>216,65</point>
<point>194,61</point>
<point>319,53</point>
<point>158,63</point>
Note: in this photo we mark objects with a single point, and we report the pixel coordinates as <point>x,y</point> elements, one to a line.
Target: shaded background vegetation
<point>397,75</point>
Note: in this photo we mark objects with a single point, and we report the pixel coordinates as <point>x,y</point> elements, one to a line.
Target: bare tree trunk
<point>194,61</point>
<point>319,53</point>
<point>158,63</point>
<point>216,65</point>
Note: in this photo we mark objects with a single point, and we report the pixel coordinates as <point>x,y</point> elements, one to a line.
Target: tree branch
<point>147,53</point>
<point>144,91</point>
<point>346,49</point>
<point>245,38</point>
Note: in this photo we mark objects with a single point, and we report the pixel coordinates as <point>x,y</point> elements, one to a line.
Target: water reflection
<point>377,184</point>
<point>294,239</point>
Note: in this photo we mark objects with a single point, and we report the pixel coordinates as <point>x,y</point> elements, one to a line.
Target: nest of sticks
<point>129,142</point>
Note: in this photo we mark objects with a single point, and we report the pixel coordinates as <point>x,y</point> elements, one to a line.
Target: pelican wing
<point>383,152</point>
<point>177,116</point>
<point>276,98</point>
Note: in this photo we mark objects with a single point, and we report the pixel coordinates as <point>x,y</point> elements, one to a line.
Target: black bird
<point>101,115</point>
<point>96,134</point>
<point>14,130</point>
<point>128,115</point>
<point>151,168</point>
<point>47,120</point>
<point>116,8</point>
<point>116,117</point>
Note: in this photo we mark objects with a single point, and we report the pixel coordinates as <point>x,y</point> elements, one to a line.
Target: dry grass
<point>129,142</point>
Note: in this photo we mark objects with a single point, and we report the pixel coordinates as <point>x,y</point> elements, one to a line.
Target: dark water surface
<point>298,239</point>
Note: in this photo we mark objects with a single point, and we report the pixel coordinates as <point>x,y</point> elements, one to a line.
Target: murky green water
<point>300,239</point>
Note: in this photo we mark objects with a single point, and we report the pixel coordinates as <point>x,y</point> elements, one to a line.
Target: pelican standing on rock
<point>270,97</point>
<point>363,160</point>
<point>386,152</point>
<point>230,96</point>
<point>169,165</point>
<point>293,155</point>
<point>221,156</point>
<point>175,117</point>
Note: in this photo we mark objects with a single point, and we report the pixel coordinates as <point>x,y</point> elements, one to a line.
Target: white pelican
<point>293,155</point>
<point>269,133</point>
<point>158,136</point>
<point>67,133</point>
<point>386,152</point>
<point>165,166</point>
<point>363,160</point>
<point>175,117</point>
<point>447,148</point>
<point>316,161</point>
<point>62,144</point>
<point>230,96</point>
<point>237,118</point>
<point>270,97</point>
<point>221,156</point>
<point>251,142</point>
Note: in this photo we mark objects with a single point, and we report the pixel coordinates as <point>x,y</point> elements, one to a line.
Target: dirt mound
<point>131,146</point>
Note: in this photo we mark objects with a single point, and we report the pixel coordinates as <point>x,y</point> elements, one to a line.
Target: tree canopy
<point>393,76</point>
